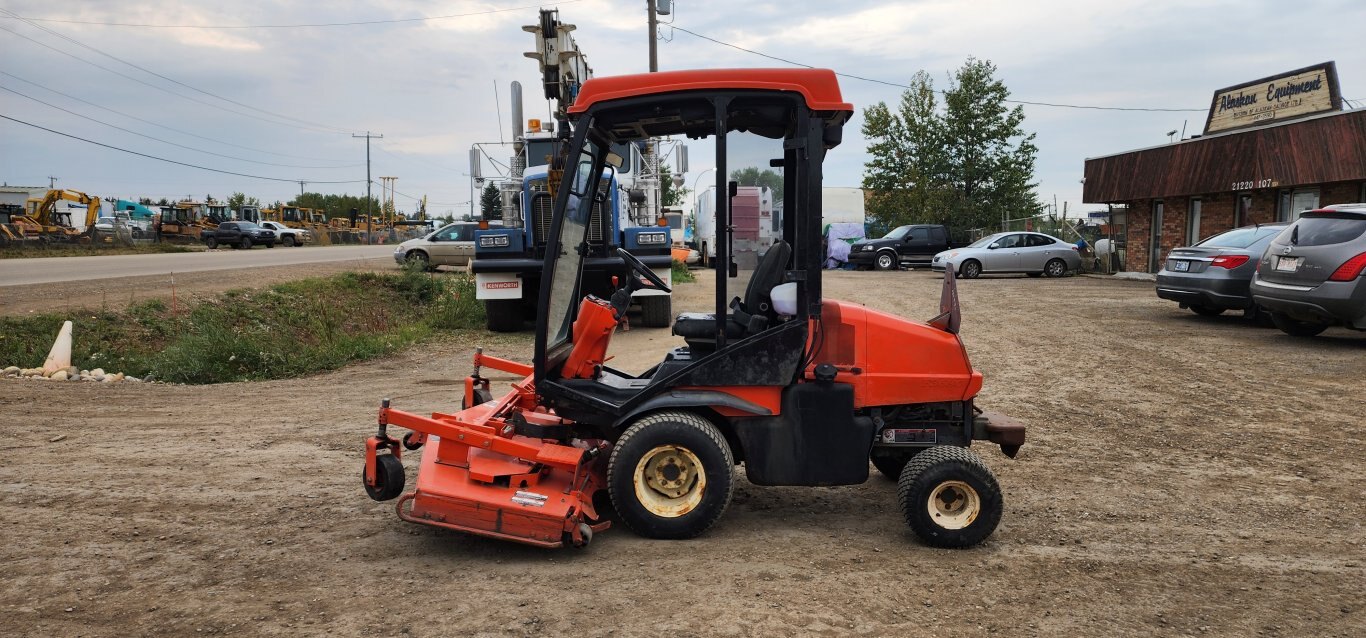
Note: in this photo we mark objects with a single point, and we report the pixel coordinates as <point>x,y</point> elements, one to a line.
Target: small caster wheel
<point>389,482</point>
<point>587,533</point>
<point>412,441</point>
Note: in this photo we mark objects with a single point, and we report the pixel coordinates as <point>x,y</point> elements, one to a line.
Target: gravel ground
<point>1183,476</point>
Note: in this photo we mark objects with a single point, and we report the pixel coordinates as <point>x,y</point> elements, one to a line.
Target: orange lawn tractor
<point>802,390</point>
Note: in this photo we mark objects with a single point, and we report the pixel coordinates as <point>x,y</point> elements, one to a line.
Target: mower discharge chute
<point>802,390</point>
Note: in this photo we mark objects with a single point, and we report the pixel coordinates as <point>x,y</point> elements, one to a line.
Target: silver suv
<point>1310,277</point>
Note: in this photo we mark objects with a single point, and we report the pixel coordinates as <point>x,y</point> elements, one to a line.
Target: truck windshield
<point>571,247</point>
<point>897,233</point>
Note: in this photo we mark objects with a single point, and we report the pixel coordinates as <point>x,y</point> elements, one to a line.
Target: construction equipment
<point>803,390</point>
<point>14,229</point>
<point>183,223</point>
<point>53,225</point>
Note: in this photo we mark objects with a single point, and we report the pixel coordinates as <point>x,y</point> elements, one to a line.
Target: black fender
<point>691,399</point>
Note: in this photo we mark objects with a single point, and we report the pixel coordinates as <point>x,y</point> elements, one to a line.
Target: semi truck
<point>508,260</point>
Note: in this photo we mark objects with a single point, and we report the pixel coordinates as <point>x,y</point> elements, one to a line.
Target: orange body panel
<point>592,334</point>
<point>819,87</point>
<point>893,361</point>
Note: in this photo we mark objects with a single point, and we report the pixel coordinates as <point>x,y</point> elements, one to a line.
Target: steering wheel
<point>641,269</point>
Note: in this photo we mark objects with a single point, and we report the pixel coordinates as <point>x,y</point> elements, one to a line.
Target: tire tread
<point>688,419</point>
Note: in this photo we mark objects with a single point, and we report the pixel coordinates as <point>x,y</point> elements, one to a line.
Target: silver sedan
<point>1034,254</point>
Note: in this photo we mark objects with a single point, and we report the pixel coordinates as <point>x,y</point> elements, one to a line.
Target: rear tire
<point>1295,327</point>
<point>671,475</point>
<point>971,269</point>
<point>503,315</point>
<point>1206,311</point>
<point>885,261</point>
<point>656,311</point>
<point>949,497</point>
<point>1055,268</point>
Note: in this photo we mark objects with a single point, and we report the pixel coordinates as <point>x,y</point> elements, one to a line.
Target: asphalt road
<point>15,272</point>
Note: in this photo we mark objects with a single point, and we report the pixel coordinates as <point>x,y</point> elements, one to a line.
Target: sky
<point>279,101</point>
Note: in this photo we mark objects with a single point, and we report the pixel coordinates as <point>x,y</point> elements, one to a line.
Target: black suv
<point>913,245</point>
<point>239,235</point>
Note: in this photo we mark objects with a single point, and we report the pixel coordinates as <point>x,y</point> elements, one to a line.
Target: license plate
<point>1181,266</point>
<point>1288,264</point>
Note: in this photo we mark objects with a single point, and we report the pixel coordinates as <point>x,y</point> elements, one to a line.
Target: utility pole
<point>52,182</point>
<point>301,187</point>
<point>654,41</point>
<point>368,183</point>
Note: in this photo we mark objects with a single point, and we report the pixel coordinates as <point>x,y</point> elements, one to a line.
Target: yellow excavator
<point>42,217</point>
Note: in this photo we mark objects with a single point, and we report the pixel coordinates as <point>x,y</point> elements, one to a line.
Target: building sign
<point>1287,96</point>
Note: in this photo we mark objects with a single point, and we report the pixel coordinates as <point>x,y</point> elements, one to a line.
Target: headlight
<point>867,248</point>
<point>493,241</point>
<point>652,239</point>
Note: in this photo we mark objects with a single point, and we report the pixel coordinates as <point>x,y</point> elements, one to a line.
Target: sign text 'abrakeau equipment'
<point>1286,96</point>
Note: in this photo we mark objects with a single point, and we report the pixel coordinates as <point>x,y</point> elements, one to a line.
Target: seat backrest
<point>766,276</point>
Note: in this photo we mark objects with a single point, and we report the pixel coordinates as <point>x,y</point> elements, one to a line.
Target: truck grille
<point>543,212</point>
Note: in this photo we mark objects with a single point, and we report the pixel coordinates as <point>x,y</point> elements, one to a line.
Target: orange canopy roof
<point>818,86</point>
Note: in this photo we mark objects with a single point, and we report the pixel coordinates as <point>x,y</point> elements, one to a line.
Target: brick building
<point>1179,193</point>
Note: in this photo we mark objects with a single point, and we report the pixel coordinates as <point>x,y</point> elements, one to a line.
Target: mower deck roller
<point>799,389</point>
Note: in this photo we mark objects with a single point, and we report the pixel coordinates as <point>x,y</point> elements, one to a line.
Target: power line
<point>149,84</point>
<point>904,86</point>
<point>174,130</point>
<point>172,80</point>
<point>157,139</point>
<point>170,161</point>
<point>290,26</point>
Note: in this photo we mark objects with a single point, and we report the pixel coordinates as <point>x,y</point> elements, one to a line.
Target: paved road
<point>14,272</point>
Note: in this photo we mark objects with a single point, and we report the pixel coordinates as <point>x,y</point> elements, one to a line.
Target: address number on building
<point>1256,183</point>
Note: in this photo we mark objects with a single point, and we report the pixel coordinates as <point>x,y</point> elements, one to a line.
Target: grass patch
<point>681,274</point>
<point>88,250</point>
<point>288,330</point>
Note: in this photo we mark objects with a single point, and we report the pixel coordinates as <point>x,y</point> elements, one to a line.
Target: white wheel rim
<point>669,481</point>
<point>884,261</point>
<point>954,505</point>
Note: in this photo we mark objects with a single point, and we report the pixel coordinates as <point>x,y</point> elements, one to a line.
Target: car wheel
<point>1259,315</point>
<point>885,261</point>
<point>1295,327</point>
<point>289,241</point>
<point>420,258</point>
<point>671,475</point>
<point>949,497</point>
<point>971,269</point>
<point>211,242</point>
<point>245,244</point>
<point>270,244</point>
<point>1206,311</point>
<point>1055,268</point>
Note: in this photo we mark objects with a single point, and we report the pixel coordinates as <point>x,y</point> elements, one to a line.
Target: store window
<point>1193,223</point>
<point>1240,212</point>
<point>1303,200</point>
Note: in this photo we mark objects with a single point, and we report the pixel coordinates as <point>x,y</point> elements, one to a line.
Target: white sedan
<point>1034,254</point>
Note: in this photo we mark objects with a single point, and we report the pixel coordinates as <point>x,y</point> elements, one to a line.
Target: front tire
<point>885,261</point>
<point>971,269</point>
<point>656,311</point>
<point>390,479</point>
<point>1055,268</point>
<point>211,242</point>
<point>420,258</point>
<point>503,315</point>
<point>289,241</point>
<point>671,475</point>
<point>1295,327</point>
<point>245,244</point>
<point>949,497</point>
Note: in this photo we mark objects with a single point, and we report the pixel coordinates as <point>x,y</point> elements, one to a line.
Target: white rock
<point>12,370</point>
<point>108,379</point>
<point>97,372</point>
<point>59,375</point>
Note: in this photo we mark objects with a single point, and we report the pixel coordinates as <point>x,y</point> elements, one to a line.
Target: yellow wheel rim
<point>669,481</point>
<point>954,505</point>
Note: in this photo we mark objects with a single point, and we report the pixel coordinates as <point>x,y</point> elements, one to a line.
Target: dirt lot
<point>1184,476</point>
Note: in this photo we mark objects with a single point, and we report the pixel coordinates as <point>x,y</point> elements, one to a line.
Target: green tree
<point>965,165</point>
<point>905,173</point>
<point>752,176</point>
<point>239,199</point>
<point>491,202</point>
<point>670,195</point>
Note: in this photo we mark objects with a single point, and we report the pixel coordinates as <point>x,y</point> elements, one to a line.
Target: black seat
<point>749,316</point>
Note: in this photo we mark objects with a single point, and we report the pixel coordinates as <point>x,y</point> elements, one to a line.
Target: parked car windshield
<point>984,242</point>
<point>1322,229</point>
<point>897,233</point>
<point>1241,237</point>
